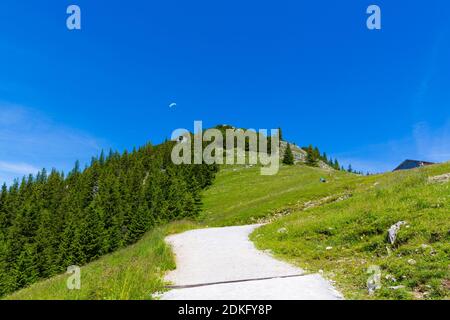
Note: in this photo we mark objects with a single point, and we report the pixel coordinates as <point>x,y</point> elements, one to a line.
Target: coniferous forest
<point>51,221</point>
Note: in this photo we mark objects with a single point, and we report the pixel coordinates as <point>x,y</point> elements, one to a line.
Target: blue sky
<point>372,98</point>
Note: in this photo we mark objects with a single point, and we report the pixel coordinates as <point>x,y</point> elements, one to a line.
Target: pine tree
<point>68,248</point>
<point>4,215</point>
<point>49,221</point>
<point>316,153</point>
<point>26,268</point>
<point>336,164</point>
<point>47,243</point>
<point>288,157</point>
<point>111,203</point>
<point>89,234</point>
<point>196,195</point>
<point>311,159</point>
<point>4,272</point>
<point>140,222</point>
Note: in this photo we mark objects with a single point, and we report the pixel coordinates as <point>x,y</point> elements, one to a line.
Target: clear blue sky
<point>372,98</point>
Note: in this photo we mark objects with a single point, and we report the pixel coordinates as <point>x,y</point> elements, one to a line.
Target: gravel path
<point>222,263</point>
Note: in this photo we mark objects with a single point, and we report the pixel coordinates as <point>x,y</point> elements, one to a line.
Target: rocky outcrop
<point>299,154</point>
<point>443,178</point>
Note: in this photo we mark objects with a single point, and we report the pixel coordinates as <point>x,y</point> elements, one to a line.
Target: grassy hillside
<point>349,213</point>
<point>241,195</point>
<point>345,238</point>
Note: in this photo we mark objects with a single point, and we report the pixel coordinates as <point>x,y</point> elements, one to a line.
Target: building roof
<point>411,164</point>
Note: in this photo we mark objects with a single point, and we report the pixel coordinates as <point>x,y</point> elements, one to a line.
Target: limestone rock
<point>443,178</point>
<point>393,231</point>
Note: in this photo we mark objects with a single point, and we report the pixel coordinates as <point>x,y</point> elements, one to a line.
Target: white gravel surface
<point>222,263</point>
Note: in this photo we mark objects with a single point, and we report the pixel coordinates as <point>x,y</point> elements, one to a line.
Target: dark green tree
<point>288,157</point>
<point>311,157</point>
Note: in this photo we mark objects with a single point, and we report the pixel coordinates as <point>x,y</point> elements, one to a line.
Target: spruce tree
<point>46,242</point>
<point>288,157</point>
<point>316,153</point>
<point>26,271</point>
<point>311,159</point>
<point>336,164</point>
<point>49,221</point>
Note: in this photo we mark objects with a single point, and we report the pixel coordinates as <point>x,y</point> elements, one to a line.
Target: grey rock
<point>397,287</point>
<point>393,231</point>
<point>390,277</point>
<point>282,230</point>
<point>443,178</point>
<point>412,261</point>
<point>372,286</point>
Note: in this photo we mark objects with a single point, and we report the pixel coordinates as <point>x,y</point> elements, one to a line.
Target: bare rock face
<point>393,231</point>
<point>299,153</point>
<point>443,178</point>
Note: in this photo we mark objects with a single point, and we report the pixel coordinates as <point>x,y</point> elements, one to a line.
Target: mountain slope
<point>349,213</point>
<point>238,196</point>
